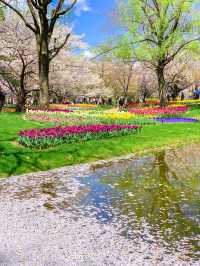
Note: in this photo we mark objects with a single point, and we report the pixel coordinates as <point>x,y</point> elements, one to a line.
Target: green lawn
<point>16,160</point>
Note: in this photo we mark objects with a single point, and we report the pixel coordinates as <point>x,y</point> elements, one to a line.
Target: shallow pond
<point>156,197</point>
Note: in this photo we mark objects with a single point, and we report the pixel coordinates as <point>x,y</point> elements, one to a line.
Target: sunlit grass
<point>15,159</point>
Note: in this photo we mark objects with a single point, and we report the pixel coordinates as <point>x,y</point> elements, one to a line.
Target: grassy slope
<point>17,160</point>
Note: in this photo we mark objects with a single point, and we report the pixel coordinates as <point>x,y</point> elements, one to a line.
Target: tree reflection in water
<point>157,194</point>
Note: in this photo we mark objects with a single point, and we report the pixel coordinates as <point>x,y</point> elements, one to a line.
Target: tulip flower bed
<point>193,104</point>
<point>88,118</point>
<point>49,137</point>
<point>82,105</point>
<point>17,159</point>
<point>59,118</point>
<point>186,101</point>
<point>176,120</point>
<point>148,103</point>
<point>50,110</point>
<point>164,112</point>
<point>55,115</point>
<point>6,109</point>
<point>73,106</point>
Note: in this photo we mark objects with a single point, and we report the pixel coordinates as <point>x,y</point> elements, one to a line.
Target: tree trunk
<point>2,102</point>
<point>44,80</point>
<point>43,61</point>
<point>144,99</point>
<point>161,86</point>
<point>125,100</point>
<point>21,96</point>
<point>21,102</point>
<point>126,95</point>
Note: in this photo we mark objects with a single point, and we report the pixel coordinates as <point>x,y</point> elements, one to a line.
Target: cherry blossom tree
<point>18,54</point>
<point>45,15</point>
<point>74,76</point>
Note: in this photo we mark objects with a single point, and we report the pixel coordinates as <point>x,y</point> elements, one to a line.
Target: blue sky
<point>92,20</point>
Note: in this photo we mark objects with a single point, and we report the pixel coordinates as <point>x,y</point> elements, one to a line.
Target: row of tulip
<point>133,117</point>
<point>79,106</point>
<point>158,111</point>
<point>148,103</point>
<point>176,120</point>
<point>56,110</point>
<point>86,105</point>
<point>193,104</point>
<point>48,137</point>
<point>197,101</point>
<point>154,102</point>
<point>88,117</point>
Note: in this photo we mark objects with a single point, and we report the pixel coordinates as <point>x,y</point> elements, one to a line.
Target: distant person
<point>196,94</point>
<point>103,101</point>
<point>168,98</point>
<point>110,101</point>
<point>121,103</point>
<point>99,101</point>
<point>182,96</point>
<point>96,101</point>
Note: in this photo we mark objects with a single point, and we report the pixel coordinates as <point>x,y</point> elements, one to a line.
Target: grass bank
<point>15,160</point>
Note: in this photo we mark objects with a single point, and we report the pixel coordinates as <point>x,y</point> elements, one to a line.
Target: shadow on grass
<point>12,162</point>
<point>9,139</point>
<point>22,160</point>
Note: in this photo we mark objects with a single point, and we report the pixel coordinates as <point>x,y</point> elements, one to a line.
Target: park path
<point>42,224</point>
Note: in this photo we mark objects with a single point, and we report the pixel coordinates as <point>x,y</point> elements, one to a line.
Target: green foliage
<point>158,30</point>
<point>124,50</point>
<point>2,16</point>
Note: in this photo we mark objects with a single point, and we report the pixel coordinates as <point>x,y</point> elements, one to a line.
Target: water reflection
<point>160,191</point>
<point>155,198</point>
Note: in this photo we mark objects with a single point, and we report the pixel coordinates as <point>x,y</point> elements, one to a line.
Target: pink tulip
<point>68,130</point>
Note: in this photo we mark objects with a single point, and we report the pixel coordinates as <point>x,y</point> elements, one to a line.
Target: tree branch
<point>19,14</point>
<point>56,50</point>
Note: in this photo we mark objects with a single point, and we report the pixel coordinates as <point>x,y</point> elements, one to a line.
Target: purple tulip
<point>176,120</point>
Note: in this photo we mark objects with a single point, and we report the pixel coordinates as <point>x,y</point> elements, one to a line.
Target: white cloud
<point>88,54</point>
<point>82,6</point>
